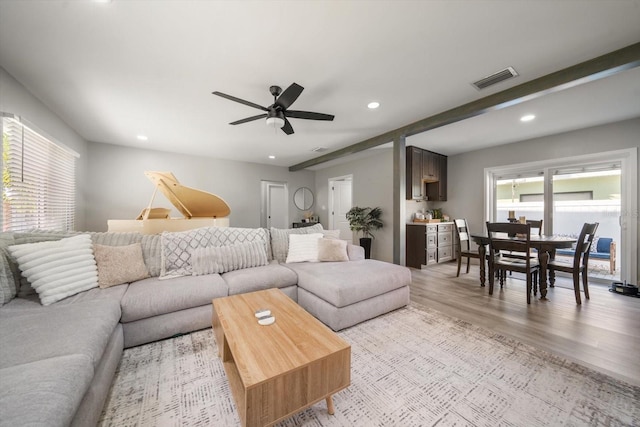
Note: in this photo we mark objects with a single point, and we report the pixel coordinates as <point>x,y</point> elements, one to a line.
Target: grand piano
<point>199,209</point>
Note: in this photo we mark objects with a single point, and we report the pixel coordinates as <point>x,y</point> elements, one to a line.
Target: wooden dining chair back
<point>580,263</point>
<point>501,242</point>
<point>537,225</point>
<point>462,231</point>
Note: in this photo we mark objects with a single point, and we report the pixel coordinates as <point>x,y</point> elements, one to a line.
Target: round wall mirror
<point>303,198</point>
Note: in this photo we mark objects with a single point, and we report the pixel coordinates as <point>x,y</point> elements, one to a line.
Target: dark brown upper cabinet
<point>426,175</point>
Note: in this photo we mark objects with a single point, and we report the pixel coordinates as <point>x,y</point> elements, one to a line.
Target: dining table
<point>545,245</point>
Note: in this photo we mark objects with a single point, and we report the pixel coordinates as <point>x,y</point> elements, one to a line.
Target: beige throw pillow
<point>332,250</point>
<point>119,264</point>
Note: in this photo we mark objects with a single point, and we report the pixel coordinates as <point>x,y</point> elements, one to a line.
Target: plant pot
<point>365,242</point>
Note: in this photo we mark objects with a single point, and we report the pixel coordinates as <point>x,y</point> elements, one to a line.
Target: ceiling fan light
<point>275,122</point>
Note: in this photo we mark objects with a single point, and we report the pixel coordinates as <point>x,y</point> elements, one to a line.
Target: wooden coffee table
<point>277,370</point>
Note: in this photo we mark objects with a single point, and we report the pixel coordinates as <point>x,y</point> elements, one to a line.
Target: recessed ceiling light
<point>101,1</point>
<point>373,105</point>
<point>527,118</point>
<point>143,137</point>
<point>272,157</point>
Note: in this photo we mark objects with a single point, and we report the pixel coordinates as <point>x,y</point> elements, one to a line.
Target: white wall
<point>120,190</point>
<point>17,100</point>
<point>373,187</point>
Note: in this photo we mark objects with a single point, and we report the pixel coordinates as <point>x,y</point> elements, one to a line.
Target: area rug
<point>411,367</point>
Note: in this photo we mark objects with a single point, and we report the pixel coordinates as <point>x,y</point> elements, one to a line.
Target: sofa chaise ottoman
<point>342,294</point>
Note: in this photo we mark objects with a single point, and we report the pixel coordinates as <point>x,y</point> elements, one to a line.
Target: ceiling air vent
<point>319,149</point>
<point>494,78</point>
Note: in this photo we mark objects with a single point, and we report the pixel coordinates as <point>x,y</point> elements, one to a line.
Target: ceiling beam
<point>594,69</point>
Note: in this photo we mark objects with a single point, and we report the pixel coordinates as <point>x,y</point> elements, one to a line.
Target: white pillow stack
<point>58,269</point>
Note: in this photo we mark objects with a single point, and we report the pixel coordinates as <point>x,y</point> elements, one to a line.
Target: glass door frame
<point>628,158</point>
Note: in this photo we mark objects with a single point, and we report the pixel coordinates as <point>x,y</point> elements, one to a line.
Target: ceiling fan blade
<point>241,101</point>
<point>248,119</point>
<point>289,96</point>
<point>308,115</point>
<point>287,128</point>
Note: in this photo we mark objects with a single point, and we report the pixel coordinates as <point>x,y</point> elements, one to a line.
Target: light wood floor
<point>603,333</point>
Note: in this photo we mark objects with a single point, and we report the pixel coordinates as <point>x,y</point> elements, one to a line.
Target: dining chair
<point>462,231</point>
<point>534,223</point>
<point>580,264</point>
<point>500,242</point>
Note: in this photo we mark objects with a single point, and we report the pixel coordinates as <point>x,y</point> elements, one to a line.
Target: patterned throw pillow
<point>220,259</point>
<point>280,239</point>
<point>178,247</point>
<point>58,269</point>
<point>119,264</point>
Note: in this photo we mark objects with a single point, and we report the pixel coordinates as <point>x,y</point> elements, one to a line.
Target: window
<point>38,180</point>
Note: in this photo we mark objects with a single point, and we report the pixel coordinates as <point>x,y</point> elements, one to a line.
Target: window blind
<point>38,180</point>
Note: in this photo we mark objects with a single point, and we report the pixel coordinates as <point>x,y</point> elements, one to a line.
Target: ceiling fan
<point>278,112</point>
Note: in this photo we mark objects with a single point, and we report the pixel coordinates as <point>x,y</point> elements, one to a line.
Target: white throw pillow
<point>303,247</point>
<point>58,269</point>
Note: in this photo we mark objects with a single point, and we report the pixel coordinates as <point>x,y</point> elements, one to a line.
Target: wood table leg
<point>330,409</point>
<point>543,257</point>
<point>482,251</point>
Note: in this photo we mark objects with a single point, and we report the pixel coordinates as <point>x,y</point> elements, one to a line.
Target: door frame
<point>628,159</point>
<point>349,178</point>
<point>264,200</point>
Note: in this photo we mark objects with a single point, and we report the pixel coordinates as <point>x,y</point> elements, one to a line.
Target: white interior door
<point>340,201</point>
<point>275,206</point>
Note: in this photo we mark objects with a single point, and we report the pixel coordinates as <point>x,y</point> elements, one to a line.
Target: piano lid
<point>190,202</point>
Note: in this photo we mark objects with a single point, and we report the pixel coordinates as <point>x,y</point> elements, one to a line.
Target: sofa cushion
<point>220,259</point>
<point>259,278</point>
<point>46,392</point>
<point>58,269</point>
<point>280,239</point>
<point>603,245</point>
<point>119,264</point>
<point>153,296</point>
<point>150,246</point>
<point>8,283</point>
<point>344,283</point>
<point>57,330</point>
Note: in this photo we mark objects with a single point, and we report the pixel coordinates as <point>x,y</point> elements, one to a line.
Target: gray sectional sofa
<point>57,362</point>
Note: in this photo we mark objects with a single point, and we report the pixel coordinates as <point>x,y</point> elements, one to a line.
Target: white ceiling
<point>113,71</point>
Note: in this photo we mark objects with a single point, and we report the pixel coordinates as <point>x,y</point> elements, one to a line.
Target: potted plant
<point>364,220</point>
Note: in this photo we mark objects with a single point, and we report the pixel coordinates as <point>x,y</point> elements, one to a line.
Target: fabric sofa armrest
<point>355,252</point>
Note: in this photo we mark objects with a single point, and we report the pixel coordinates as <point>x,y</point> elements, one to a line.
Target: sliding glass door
<point>591,193</point>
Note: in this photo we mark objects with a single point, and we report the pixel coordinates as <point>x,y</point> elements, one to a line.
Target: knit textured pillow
<point>119,264</point>
<point>220,259</point>
<point>332,250</point>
